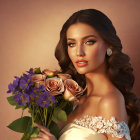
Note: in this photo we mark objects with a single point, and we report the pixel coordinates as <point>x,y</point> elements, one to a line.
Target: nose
<point>80,50</point>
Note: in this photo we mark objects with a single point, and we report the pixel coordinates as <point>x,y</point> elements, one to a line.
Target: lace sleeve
<point>100,125</point>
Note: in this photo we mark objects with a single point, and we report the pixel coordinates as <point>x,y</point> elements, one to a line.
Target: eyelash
<point>93,41</point>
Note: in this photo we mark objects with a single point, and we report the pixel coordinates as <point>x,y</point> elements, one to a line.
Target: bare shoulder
<point>113,104</point>
<point>112,98</point>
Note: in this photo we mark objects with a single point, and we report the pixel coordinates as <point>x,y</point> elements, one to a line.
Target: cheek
<point>97,54</point>
<point>71,54</point>
<point>93,53</point>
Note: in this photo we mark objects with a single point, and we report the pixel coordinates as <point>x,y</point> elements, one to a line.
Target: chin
<point>82,71</point>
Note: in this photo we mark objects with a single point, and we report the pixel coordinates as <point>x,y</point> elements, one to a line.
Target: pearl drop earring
<point>109,51</point>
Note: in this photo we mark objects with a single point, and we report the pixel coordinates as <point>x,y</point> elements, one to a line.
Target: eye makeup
<point>88,42</point>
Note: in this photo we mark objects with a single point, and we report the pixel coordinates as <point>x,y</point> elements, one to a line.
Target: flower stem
<point>22,113</point>
<point>45,116</point>
<point>50,117</point>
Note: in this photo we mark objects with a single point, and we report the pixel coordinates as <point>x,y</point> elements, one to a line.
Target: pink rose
<point>54,85</point>
<point>49,72</point>
<point>64,76</point>
<point>72,90</point>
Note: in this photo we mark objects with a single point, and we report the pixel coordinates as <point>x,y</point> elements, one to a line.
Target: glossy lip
<point>81,64</point>
<point>82,60</point>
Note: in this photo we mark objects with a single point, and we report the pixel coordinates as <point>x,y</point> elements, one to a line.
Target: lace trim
<point>100,125</point>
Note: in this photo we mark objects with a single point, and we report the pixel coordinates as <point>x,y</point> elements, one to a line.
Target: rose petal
<point>54,85</point>
<point>49,72</point>
<point>38,77</point>
<point>68,96</point>
<point>64,76</point>
<point>73,87</point>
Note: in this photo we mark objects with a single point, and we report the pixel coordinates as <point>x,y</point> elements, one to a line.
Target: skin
<point>92,49</point>
<point>44,134</point>
<point>84,42</point>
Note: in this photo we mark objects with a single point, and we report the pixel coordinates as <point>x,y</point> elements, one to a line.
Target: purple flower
<point>33,92</point>
<point>16,82</point>
<point>23,85</point>
<point>26,82</point>
<point>21,98</point>
<point>45,99</point>
<point>28,79</point>
<point>51,98</point>
<point>37,91</point>
<point>30,71</point>
<point>10,88</point>
<point>42,88</point>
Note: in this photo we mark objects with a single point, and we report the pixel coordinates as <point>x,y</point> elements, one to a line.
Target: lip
<point>81,63</point>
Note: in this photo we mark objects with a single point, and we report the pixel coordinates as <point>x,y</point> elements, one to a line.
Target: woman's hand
<point>44,134</point>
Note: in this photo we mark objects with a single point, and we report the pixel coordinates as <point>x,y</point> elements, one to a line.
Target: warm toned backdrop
<point>29,32</point>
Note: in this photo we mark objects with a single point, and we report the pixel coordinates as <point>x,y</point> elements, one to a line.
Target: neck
<point>98,83</point>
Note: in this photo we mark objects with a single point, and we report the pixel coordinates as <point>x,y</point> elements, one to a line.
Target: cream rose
<point>64,76</point>
<point>49,72</point>
<point>72,90</point>
<point>54,85</point>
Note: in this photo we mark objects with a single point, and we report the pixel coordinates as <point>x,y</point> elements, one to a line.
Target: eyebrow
<point>84,37</point>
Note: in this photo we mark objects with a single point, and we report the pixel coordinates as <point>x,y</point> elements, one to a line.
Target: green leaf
<point>19,106</point>
<point>50,76</point>
<point>54,129</point>
<point>11,100</point>
<point>26,136</point>
<point>69,107</point>
<point>31,132</point>
<point>20,125</point>
<point>29,127</point>
<point>35,132</point>
<point>60,115</point>
<point>14,103</point>
<point>54,118</point>
<point>37,71</point>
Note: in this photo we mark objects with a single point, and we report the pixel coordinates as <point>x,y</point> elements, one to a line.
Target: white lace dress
<point>91,128</point>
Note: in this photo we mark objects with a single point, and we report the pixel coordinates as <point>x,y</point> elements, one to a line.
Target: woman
<point>90,50</point>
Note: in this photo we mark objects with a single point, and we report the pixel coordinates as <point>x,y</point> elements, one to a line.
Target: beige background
<point>29,32</point>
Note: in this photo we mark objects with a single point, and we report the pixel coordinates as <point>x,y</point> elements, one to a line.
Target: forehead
<point>80,30</point>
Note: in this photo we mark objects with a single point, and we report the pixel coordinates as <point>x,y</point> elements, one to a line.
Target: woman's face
<point>86,48</point>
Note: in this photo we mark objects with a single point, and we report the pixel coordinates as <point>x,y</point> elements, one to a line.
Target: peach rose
<point>39,79</point>
<point>54,85</point>
<point>64,76</point>
<point>49,72</point>
<point>72,90</point>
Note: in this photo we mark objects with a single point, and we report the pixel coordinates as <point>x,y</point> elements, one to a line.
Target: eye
<point>70,44</point>
<point>90,42</point>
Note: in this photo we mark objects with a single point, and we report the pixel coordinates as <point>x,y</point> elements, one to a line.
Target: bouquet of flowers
<point>47,95</point>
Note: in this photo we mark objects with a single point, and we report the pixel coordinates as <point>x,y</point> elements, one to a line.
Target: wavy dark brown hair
<point>119,69</point>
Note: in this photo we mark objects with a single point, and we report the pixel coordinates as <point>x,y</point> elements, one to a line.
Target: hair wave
<point>119,69</point>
